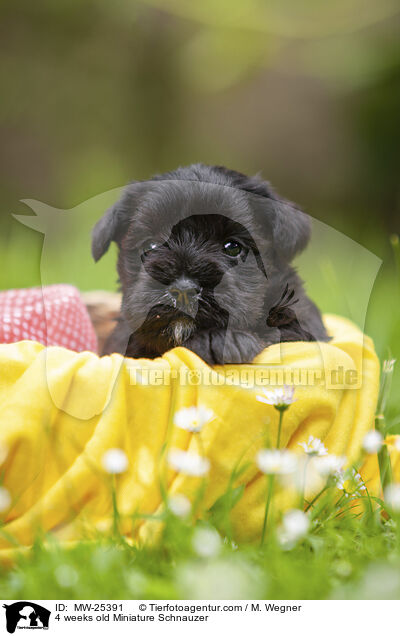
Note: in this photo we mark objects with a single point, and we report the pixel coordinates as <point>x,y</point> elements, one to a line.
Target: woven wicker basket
<point>103,308</point>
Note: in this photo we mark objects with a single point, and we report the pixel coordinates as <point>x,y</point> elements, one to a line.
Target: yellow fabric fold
<point>60,412</point>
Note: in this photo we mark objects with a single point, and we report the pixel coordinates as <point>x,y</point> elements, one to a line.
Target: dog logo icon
<point>26,615</point>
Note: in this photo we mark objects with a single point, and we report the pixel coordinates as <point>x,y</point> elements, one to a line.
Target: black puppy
<point>204,262</point>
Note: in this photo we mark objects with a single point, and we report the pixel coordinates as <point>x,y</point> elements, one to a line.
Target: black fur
<point>185,290</point>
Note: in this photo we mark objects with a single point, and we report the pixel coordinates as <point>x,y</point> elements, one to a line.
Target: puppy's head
<point>198,247</point>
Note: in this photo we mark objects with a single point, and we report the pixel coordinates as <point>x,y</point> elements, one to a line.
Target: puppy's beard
<point>179,330</point>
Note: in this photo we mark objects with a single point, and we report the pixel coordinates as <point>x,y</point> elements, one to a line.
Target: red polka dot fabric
<point>53,315</point>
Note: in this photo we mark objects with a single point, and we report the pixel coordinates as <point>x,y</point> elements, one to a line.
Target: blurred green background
<point>95,94</point>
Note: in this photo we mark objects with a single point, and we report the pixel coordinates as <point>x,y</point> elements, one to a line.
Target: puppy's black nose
<point>184,293</point>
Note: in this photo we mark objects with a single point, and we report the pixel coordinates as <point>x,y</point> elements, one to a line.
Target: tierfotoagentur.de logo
<point>26,615</point>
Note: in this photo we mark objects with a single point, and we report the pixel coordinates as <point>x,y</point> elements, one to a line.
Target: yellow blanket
<point>60,412</point>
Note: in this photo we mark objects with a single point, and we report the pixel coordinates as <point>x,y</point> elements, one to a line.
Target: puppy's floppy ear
<point>291,228</point>
<point>104,232</point>
<point>113,224</point>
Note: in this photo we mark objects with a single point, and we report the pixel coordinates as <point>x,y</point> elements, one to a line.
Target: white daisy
<point>193,418</point>
<point>351,483</point>
<point>179,505</point>
<point>66,576</point>
<point>276,462</point>
<point>188,463</point>
<point>314,447</point>
<point>329,465</point>
<point>392,496</point>
<point>372,442</point>
<point>295,524</point>
<point>280,398</point>
<point>206,542</point>
<point>115,461</point>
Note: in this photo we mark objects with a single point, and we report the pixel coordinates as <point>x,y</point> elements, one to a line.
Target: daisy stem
<point>324,503</point>
<point>278,440</point>
<point>337,508</point>
<point>385,466</point>
<point>317,496</point>
<point>203,484</point>
<point>267,506</point>
<point>303,492</point>
<point>115,506</point>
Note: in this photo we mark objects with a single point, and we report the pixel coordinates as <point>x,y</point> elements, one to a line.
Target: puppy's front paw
<point>240,346</point>
<point>225,347</point>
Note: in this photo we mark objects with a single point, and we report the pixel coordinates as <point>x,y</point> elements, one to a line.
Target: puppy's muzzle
<point>184,295</point>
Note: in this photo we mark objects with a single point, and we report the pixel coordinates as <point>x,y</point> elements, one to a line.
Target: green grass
<point>343,556</point>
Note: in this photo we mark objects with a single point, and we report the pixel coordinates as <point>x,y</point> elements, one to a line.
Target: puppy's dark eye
<point>232,248</point>
<point>148,247</point>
